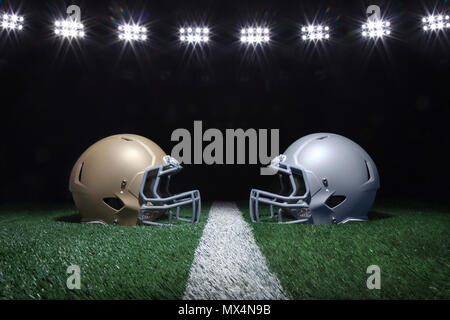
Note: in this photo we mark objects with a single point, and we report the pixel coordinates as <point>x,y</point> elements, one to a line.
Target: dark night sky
<point>392,98</point>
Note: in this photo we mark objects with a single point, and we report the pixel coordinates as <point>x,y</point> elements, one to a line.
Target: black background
<point>392,97</point>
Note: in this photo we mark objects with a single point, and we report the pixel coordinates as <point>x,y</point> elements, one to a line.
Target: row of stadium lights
<point>250,35</point>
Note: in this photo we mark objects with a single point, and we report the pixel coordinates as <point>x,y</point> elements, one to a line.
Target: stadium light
<point>192,34</point>
<point>69,29</point>
<point>436,23</point>
<point>132,32</point>
<point>376,29</point>
<point>12,22</point>
<point>255,35</point>
<point>315,33</point>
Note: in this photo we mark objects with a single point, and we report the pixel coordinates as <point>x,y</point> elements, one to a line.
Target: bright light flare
<point>376,29</point>
<point>192,34</point>
<point>436,23</point>
<point>255,35</point>
<point>69,29</point>
<point>132,32</point>
<point>11,22</point>
<point>315,33</point>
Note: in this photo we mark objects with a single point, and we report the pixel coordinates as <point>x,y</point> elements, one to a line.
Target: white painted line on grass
<point>228,263</point>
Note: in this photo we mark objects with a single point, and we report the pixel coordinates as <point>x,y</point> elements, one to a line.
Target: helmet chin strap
<point>171,160</point>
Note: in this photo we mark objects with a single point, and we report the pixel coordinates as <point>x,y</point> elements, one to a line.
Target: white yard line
<point>228,263</point>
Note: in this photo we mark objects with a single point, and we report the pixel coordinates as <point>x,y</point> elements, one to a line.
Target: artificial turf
<point>143,262</point>
<point>409,241</point>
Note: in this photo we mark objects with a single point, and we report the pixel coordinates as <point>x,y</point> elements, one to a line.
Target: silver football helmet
<point>325,178</point>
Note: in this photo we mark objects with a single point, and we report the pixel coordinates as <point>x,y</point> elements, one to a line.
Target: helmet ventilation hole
<point>334,201</point>
<point>322,138</point>
<point>81,172</point>
<point>127,139</point>
<point>114,203</point>
<point>368,171</point>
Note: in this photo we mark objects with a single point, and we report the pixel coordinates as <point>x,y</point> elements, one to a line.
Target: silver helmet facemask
<point>155,195</point>
<point>293,197</point>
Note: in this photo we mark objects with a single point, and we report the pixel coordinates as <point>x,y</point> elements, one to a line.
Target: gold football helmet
<point>124,179</point>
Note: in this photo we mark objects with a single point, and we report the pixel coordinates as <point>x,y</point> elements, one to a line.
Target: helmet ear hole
<point>114,203</point>
<point>334,201</point>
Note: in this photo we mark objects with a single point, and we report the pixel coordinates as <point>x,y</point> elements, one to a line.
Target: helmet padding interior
<point>162,191</point>
<point>149,184</point>
<point>286,187</point>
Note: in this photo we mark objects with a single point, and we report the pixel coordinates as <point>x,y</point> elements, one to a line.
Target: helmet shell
<point>341,176</point>
<point>106,179</point>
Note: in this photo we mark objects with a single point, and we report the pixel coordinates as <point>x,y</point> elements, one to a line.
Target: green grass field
<point>38,244</point>
<point>410,243</point>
